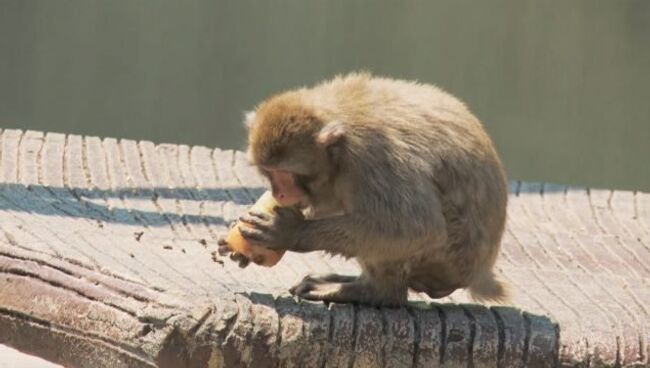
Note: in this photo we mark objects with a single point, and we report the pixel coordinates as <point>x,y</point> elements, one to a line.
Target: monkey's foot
<point>325,291</point>
<point>350,290</point>
<point>320,279</point>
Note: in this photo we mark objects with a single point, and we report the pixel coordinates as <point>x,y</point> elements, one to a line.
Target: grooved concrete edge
<point>260,331</point>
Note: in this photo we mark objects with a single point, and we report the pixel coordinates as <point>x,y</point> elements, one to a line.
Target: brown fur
<point>419,189</point>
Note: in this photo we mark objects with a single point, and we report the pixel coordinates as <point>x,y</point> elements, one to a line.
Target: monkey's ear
<point>331,133</point>
<point>249,118</point>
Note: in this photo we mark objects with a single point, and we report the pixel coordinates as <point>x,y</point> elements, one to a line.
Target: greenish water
<point>562,87</point>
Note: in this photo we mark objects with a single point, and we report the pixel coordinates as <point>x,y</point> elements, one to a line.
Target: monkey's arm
<point>348,235</point>
<point>335,235</point>
<point>287,231</point>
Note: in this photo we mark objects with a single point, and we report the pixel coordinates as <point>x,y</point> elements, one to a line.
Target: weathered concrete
<point>105,261</point>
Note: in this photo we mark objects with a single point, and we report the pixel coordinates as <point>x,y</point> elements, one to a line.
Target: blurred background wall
<point>562,86</point>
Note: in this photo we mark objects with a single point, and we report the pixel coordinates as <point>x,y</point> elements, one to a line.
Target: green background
<point>563,87</point>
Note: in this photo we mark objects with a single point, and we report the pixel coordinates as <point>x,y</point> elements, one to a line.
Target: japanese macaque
<point>398,175</point>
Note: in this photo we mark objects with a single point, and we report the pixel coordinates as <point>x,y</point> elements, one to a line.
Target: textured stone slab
<point>105,261</point>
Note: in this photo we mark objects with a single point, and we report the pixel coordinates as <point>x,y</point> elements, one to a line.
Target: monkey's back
<point>433,139</point>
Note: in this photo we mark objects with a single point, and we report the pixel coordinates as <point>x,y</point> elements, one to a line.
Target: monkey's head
<point>295,148</point>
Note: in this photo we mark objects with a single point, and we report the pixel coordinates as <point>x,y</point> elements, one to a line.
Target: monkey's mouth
<point>307,210</point>
<point>302,205</point>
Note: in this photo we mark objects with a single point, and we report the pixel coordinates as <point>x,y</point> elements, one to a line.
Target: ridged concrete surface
<point>105,261</point>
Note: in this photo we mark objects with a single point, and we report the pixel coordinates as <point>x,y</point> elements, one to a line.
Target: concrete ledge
<point>105,261</point>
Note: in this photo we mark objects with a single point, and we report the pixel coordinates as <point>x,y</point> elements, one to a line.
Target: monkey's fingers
<point>296,289</point>
<point>244,262</point>
<point>306,284</point>
<point>224,250</point>
<point>223,247</point>
<point>256,221</point>
<point>262,215</point>
<point>241,260</point>
<point>326,292</point>
<point>253,234</point>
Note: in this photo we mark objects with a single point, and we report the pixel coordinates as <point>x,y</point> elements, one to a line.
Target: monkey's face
<point>300,177</point>
<point>294,148</point>
<point>285,187</point>
<point>312,193</point>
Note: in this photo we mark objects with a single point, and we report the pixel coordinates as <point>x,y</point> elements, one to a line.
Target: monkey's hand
<point>223,249</point>
<point>278,231</point>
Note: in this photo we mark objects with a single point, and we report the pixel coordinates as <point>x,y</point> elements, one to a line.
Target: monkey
<point>398,175</point>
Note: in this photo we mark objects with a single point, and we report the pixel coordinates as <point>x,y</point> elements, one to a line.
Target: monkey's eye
<point>305,181</point>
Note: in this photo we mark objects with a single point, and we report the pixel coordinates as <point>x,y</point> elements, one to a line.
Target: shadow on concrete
<point>93,204</point>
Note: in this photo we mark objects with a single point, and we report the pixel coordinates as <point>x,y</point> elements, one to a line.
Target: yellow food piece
<point>259,255</point>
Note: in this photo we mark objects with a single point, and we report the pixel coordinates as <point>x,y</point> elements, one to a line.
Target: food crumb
<point>138,235</point>
<point>203,242</point>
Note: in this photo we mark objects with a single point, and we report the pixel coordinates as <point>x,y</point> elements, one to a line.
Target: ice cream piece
<point>258,254</point>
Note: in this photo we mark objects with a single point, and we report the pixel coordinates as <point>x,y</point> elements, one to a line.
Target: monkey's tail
<point>487,287</point>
